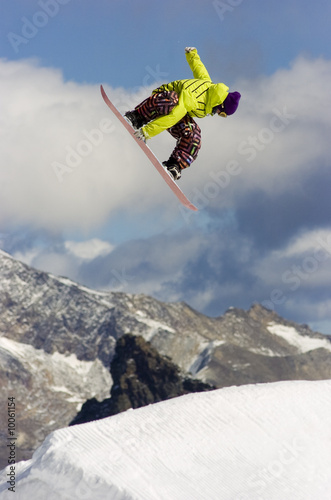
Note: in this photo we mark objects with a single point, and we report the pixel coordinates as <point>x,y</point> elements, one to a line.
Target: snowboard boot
<point>135,119</point>
<point>173,168</point>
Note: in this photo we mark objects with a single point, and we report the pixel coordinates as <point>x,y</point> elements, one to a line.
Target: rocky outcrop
<point>141,376</point>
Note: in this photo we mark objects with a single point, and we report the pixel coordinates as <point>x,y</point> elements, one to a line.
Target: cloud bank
<point>261,181</point>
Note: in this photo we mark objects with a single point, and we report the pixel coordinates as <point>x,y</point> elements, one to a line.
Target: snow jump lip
<point>150,155</point>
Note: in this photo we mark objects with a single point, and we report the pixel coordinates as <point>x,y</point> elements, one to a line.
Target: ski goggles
<point>220,111</point>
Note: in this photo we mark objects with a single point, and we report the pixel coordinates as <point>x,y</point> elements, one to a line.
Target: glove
<point>189,49</point>
<point>139,134</point>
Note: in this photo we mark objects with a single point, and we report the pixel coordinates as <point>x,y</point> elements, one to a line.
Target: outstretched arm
<point>197,67</point>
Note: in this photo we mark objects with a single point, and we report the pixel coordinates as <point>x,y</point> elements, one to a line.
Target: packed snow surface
<point>256,442</point>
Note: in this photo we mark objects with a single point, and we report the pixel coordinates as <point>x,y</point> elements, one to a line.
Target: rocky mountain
<point>141,376</point>
<point>57,340</point>
<point>48,390</point>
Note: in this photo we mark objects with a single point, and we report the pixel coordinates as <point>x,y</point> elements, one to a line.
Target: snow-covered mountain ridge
<point>261,442</point>
<point>56,314</point>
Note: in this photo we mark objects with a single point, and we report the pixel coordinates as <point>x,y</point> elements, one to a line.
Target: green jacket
<point>197,97</point>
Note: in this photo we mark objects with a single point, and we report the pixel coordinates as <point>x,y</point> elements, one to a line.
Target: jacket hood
<point>217,93</point>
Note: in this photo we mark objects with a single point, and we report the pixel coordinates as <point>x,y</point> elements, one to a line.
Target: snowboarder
<point>173,106</point>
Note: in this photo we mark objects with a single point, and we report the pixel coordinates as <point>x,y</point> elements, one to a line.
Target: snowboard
<point>150,155</point>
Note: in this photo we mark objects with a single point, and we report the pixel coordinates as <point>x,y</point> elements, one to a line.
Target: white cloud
<point>89,249</point>
<point>53,261</point>
<point>303,263</point>
<point>66,162</point>
<point>28,257</point>
<point>315,241</point>
<point>281,128</point>
<point>64,258</point>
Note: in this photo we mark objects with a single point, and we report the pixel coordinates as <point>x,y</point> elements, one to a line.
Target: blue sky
<point>108,221</point>
<point>115,40</point>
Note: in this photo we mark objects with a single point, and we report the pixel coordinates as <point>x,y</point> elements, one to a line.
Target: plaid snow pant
<point>186,131</point>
